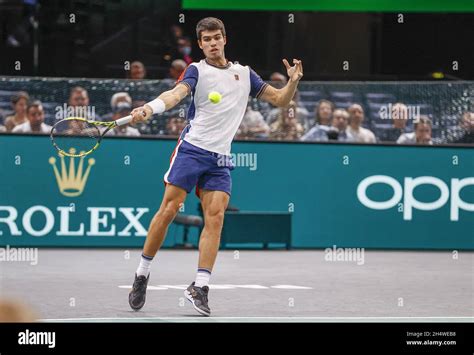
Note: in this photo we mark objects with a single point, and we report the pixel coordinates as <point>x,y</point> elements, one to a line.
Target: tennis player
<point>201,158</point>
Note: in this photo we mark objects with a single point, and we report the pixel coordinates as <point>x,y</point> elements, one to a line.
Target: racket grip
<point>124,120</point>
<point>127,119</point>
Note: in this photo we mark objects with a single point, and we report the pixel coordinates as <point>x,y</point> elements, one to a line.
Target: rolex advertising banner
<point>369,196</point>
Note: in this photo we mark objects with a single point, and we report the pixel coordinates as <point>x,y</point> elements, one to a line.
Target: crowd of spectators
<point>348,124</point>
<point>179,56</point>
<point>293,122</point>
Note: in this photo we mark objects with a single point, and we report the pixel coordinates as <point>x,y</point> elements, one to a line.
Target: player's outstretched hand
<point>140,114</point>
<point>295,72</point>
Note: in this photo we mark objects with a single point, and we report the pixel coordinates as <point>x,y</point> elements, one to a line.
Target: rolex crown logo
<point>71,182</point>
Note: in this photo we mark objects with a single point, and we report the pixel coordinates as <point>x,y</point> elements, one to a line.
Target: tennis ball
<point>214,97</point>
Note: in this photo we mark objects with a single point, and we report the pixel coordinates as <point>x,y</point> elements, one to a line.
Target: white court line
<point>292,287</point>
<point>470,318</point>
<point>223,287</point>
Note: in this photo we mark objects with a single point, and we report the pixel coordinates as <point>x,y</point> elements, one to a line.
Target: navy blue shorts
<point>192,166</point>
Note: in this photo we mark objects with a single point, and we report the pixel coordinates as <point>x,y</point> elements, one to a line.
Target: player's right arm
<point>169,98</point>
<point>185,85</point>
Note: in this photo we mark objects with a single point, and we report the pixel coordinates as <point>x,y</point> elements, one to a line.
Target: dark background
<point>108,33</point>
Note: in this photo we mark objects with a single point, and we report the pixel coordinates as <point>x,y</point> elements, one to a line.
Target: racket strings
<point>75,137</point>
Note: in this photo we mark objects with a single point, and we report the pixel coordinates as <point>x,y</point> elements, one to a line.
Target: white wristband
<point>157,106</point>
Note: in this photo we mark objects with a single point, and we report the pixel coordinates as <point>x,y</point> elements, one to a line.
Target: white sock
<point>202,277</point>
<point>145,265</point>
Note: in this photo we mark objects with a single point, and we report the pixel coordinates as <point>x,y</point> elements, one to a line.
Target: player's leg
<point>172,200</point>
<point>214,204</point>
<point>181,177</point>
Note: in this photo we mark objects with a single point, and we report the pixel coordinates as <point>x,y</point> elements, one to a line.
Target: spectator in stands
<point>175,126</point>
<point>400,116</point>
<point>318,133</point>
<point>185,48</point>
<point>173,43</point>
<point>117,98</point>
<point>177,32</point>
<point>78,97</point>
<point>123,109</point>
<point>253,125</point>
<point>137,71</point>
<point>176,68</point>
<point>79,102</point>
<point>2,128</point>
<point>355,131</point>
<point>19,103</point>
<point>35,122</point>
<point>337,130</point>
<point>287,126</point>
<point>466,124</point>
<point>422,134</point>
<point>278,79</point>
<point>323,112</point>
<point>19,29</point>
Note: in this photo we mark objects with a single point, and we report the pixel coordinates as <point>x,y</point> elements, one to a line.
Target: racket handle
<point>127,119</point>
<point>124,120</point>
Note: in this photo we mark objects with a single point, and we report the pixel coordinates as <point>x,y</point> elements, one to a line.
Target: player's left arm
<point>282,97</point>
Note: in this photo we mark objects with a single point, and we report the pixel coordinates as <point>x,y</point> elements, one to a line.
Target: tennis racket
<point>77,136</point>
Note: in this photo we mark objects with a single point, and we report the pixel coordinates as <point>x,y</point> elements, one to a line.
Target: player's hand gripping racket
<point>77,137</point>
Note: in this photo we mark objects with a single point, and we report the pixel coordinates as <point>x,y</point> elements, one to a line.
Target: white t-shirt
<point>363,135</point>
<point>26,128</point>
<point>213,126</point>
<point>409,138</point>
